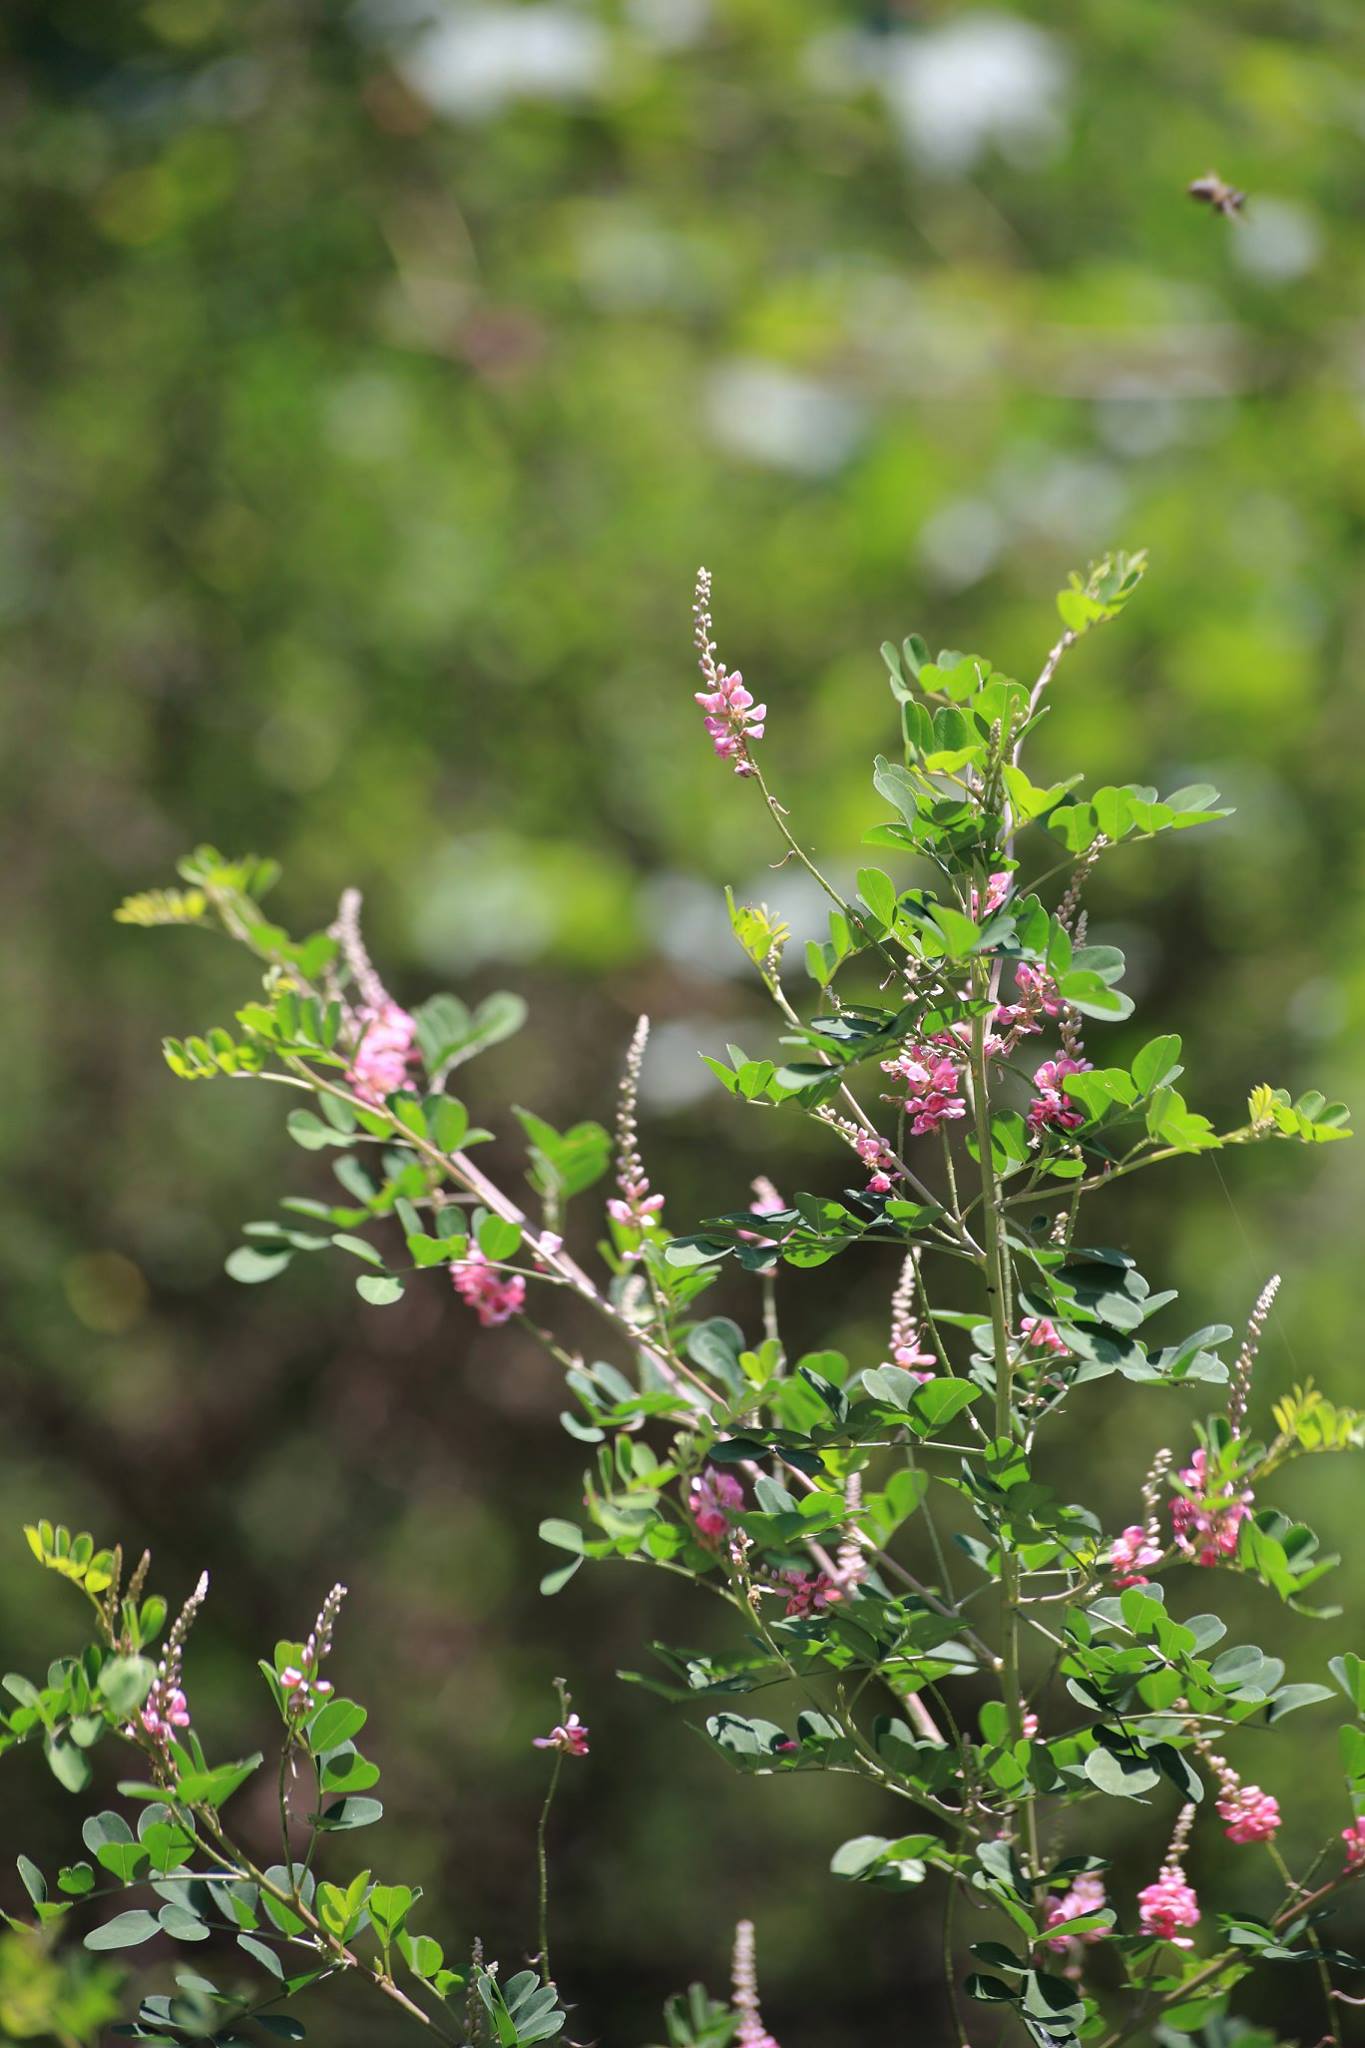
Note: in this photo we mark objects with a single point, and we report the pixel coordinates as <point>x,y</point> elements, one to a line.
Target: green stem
<point>543,1869</point>
<point>997,1295</point>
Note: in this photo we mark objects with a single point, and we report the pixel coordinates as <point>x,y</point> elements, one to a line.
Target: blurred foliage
<point>376,377</point>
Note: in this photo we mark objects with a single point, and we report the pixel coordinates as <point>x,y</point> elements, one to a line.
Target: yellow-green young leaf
<point>759,931</point>
<point>163,906</point>
<point>389,1906</point>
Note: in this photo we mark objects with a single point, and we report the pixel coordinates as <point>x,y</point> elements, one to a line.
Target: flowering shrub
<point>951,1063</point>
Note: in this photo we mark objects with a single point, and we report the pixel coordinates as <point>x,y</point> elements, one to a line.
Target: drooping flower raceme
<point>494,1297</point>
<point>1050,1108</point>
<point>933,1087</point>
<point>1251,1814</point>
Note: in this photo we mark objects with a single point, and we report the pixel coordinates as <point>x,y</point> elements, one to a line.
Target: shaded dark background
<point>375,377</point>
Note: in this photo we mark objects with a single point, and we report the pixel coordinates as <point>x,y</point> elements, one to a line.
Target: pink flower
<point>635,1205</point>
<point>304,1692</point>
<point>1206,1526</point>
<point>379,1065</point>
<point>809,1592</point>
<point>732,719</point>
<point>1354,1838</point>
<point>933,1083</point>
<point>877,1155</point>
<point>1050,1109</point>
<point>712,1497</point>
<point>1037,990</point>
<point>1251,1814</point>
<point>1168,1904</point>
<point>997,889</point>
<point>570,1737</point>
<point>1129,1552</point>
<point>1029,1725</point>
<point>1039,1334</point>
<point>1086,1896</point>
<point>164,1709</point>
<point>494,1297</point>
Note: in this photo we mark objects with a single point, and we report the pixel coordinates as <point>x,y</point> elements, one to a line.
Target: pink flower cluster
<point>712,1498</point>
<point>569,1737</point>
<point>1354,1838</point>
<point>164,1709</point>
<point>751,2032</point>
<point>1050,1108</point>
<point>300,1681</point>
<point>1206,1525</point>
<point>877,1155</point>
<point>997,889</point>
<point>634,1206</point>
<point>379,1065</point>
<point>1040,1334</point>
<point>1251,1815</point>
<point>933,1087</point>
<point>1085,1896</point>
<point>1168,1904</point>
<point>1038,998</point>
<point>809,1592</point>
<point>732,719</point>
<point>494,1297</point>
<point>1129,1552</point>
<point>907,1342</point>
<point>304,1692</point>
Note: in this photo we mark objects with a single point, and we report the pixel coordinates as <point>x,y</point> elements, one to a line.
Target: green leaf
<point>498,1239</point>
<point>69,1765</point>
<point>449,1122</point>
<point>311,1132</point>
<point>389,1906</point>
<point>351,1813</point>
<point>183,1925</point>
<point>335,1722</point>
<point>212,1787</point>
<point>1158,1063</point>
<point>125,1930</point>
<point>379,1289</point>
<point>125,1683</point>
<point>251,1267</point>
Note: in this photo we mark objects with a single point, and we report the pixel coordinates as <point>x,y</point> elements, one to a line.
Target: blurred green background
<point>375,377</point>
